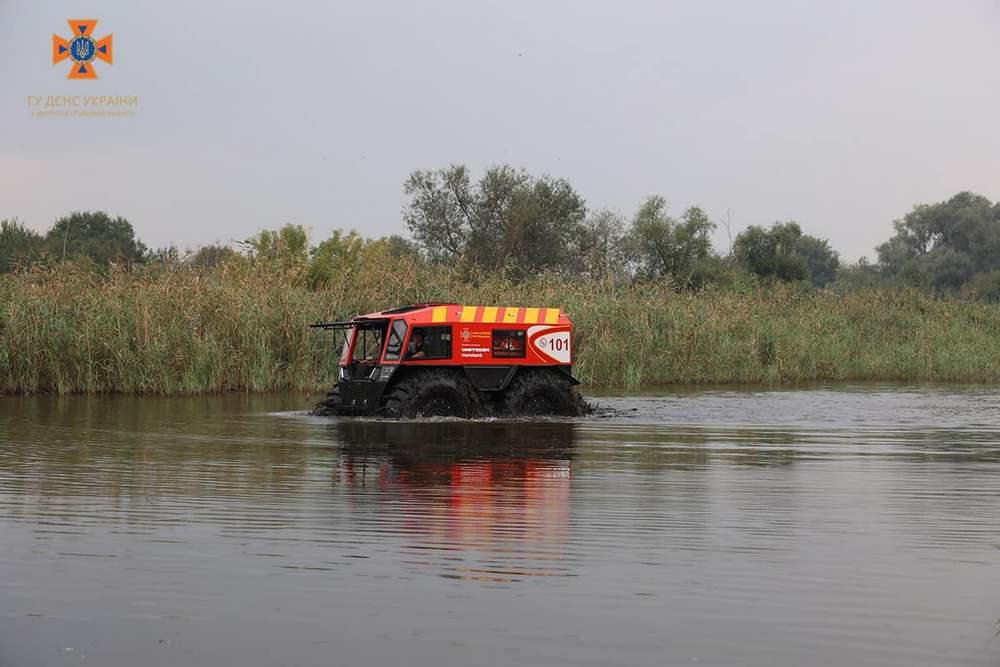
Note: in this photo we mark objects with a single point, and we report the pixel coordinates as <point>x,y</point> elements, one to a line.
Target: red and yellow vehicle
<point>444,359</point>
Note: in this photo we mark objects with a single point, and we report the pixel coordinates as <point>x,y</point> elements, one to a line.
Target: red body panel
<point>547,340</point>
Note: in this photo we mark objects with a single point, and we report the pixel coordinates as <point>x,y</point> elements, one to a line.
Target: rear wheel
<point>432,393</point>
<point>536,391</point>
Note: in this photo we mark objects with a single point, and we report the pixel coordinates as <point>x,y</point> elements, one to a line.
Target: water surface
<point>851,525</point>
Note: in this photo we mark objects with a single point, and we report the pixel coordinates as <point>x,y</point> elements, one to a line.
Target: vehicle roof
<point>453,313</point>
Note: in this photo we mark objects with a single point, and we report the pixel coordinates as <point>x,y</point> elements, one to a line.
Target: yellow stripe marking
<point>490,313</point>
<point>510,315</point>
<point>530,315</point>
<point>468,314</point>
<point>440,314</point>
<point>551,315</point>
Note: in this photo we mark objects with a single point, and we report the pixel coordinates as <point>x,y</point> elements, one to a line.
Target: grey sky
<point>841,115</point>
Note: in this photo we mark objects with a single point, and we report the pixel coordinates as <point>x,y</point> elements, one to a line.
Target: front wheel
<point>431,393</point>
<point>331,404</point>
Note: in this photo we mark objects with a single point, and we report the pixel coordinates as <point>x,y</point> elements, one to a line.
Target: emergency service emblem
<point>81,48</point>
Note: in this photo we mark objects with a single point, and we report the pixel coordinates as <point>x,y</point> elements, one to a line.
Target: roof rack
<point>349,323</point>
<point>415,306</point>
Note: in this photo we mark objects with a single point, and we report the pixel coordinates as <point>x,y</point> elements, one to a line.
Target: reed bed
<point>243,327</point>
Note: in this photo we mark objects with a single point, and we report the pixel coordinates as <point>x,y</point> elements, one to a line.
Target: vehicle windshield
<point>368,343</point>
<point>366,340</point>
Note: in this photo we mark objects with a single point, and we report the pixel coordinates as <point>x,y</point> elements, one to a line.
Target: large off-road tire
<point>538,391</point>
<point>432,393</point>
<point>331,404</point>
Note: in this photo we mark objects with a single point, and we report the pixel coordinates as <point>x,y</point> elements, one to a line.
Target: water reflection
<point>481,500</point>
<point>739,528</point>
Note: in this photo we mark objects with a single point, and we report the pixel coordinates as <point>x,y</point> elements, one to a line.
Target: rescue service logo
<point>82,49</point>
<point>85,53</point>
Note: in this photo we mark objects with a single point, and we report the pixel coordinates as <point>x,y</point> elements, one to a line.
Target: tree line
<point>512,222</point>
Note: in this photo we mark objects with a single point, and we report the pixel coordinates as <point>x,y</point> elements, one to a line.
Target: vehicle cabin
<point>389,359</point>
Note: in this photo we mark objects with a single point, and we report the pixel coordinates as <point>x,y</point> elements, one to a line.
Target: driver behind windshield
<point>415,350</point>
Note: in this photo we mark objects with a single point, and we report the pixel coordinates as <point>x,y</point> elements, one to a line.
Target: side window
<point>508,344</point>
<point>397,334</point>
<point>429,343</point>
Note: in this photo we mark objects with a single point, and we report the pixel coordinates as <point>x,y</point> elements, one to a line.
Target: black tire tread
<point>547,384</point>
<point>403,399</point>
<point>330,405</point>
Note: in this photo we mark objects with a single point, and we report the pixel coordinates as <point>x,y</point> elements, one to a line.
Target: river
<point>841,525</point>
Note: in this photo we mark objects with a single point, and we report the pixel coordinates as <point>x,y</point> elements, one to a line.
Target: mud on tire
<point>536,391</point>
<point>432,393</point>
<point>330,405</point>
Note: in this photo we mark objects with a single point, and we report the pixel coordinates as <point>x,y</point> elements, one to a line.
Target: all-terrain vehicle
<point>443,359</point>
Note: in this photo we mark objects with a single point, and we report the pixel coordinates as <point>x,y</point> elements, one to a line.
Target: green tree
<point>713,270</point>
<point>664,246</point>
<point>821,260</point>
<point>941,246</point>
<point>19,246</point>
<point>442,211</point>
<point>342,251</point>
<point>941,269</point>
<point>211,256</point>
<point>397,247</point>
<point>345,252</point>
<point>290,244</point>
<point>508,220</point>
<point>601,246</point>
<point>97,236</point>
<point>860,275</point>
<point>783,252</point>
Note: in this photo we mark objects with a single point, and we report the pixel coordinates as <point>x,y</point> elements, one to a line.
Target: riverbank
<point>244,327</point>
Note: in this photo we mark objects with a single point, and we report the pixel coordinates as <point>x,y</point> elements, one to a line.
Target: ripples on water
<point>831,526</point>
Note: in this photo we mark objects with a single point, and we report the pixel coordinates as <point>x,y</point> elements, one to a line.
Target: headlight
<point>343,373</point>
<point>386,372</point>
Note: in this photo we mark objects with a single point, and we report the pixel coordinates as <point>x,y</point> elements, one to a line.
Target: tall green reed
<point>243,326</point>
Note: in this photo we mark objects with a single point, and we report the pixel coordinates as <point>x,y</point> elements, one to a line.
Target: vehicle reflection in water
<point>480,500</point>
<point>821,527</point>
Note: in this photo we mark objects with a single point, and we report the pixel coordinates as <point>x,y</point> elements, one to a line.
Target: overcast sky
<point>840,115</point>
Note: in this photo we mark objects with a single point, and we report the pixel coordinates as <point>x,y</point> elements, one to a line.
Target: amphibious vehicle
<point>445,359</point>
